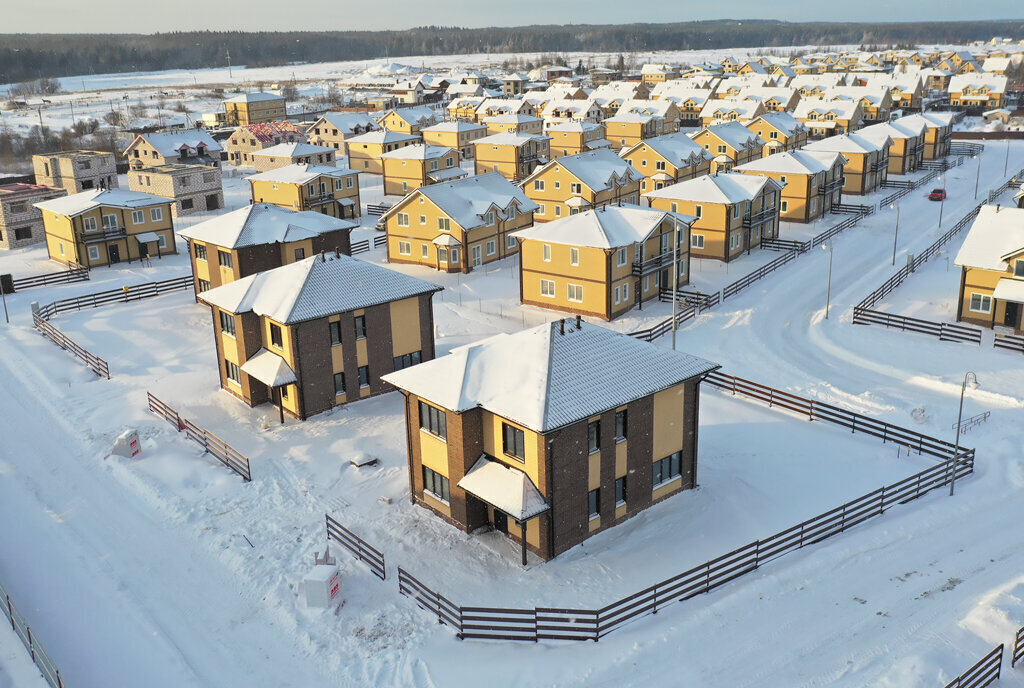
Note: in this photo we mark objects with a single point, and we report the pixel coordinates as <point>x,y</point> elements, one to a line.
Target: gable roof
<point>418,151</point>
<point>785,122</point>
<point>795,162</point>
<point>849,143</point>
<point>605,228</point>
<point>293,150</point>
<point>544,380</point>
<point>76,204</point>
<point>677,148</point>
<point>346,122</point>
<point>595,168</point>
<point>170,143</point>
<point>253,97</point>
<point>300,173</point>
<point>995,234</point>
<point>382,136</point>
<point>315,287</point>
<point>725,188</point>
<point>467,200</point>
<point>265,132</point>
<point>263,223</point>
<point>733,134</point>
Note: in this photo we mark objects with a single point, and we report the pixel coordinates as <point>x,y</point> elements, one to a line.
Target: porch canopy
<point>447,174</point>
<point>1009,290</point>
<point>507,489</point>
<point>270,369</point>
<point>146,237</point>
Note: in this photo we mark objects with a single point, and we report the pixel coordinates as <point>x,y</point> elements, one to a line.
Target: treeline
<point>24,57</point>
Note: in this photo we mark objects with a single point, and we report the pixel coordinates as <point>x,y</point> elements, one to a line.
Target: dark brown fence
<point>1009,342</point>
<point>1018,648</point>
<point>94,362</point>
<point>946,332</point>
<point>745,281</point>
<point>983,673</point>
<point>47,667</point>
<point>127,294</point>
<point>665,326</point>
<point>786,245</point>
<point>496,623</point>
<point>212,444</point>
<point>703,302</point>
<point>905,188</point>
<point>377,209</point>
<point>363,245</point>
<point>75,273</point>
<point>358,546</point>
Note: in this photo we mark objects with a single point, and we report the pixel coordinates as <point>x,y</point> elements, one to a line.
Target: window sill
<point>678,478</point>
<point>620,504</point>
<point>513,457</point>
<point>436,437</point>
<point>435,497</point>
<point>591,452</point>
<point>594,517</point>
<point>620,440</point>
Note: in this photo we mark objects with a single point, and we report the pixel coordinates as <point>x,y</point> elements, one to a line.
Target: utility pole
<point>228,53</point>
<point>1006,161</point>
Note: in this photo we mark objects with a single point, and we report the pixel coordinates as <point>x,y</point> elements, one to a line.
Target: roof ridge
<point>305,283</point>
<point>547,376</point>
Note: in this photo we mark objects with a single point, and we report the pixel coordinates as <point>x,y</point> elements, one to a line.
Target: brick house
<point>21,223</point>
<point>193,188</point>
<point>77,170</point>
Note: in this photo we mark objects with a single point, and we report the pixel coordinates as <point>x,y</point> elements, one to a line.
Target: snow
<point>609,227</point>
<point>269,368</point>
<point>727,187</point>
<point>505,488</point>
<point>263,223</point>
<point>995,234</point>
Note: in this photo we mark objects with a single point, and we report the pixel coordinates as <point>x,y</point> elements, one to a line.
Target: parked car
<point>937,195</point>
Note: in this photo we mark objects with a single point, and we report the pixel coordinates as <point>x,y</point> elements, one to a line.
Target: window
<point>510,241</point>
<point>161,240</point>
<point>187,204</point>
<point>138,217</point>
<point>696,241</point>
<point>625,292</point>
<point>558,184</point>
<point>227,323</point>
<point>594,436</point>
<point>406,360</point>
<point>335,329</point>
<point>364,376</point>
<point>444,224</point>
<point>575,188</point>
<point>682,268</point>
<point>538,184</point>
<point>442,254</point>
<point>455,256</point>
<point>574,256</point>
<point>349,182</point>
<point>404,248</point>
<point>275,336</point>
<point>981,303</point>
<point>621,421</point>
<point>224,259</point>
<point>734,242</point>
<point>204,285</point>
<point>403,219</point>
<point>785,206</point>
<point>1018,268</point>
<point>424,251</point>
<point>736,210</point>
<point>667,469</point>
<point>618,296</point>
<point>110,222</point>
<point>489,218</point>
<point>697,210</point>
<point>156,214</point>
<point>547,253</point>
<point>722,148</point>
<point>620,491</point>
<point>435,484</point>
<point>423,219</point>
<point>433,420</point>
<point>594,503</point>
<point>94,253</point>
<point>360,321</point>
<point>575,292</point>
<point>623,256</point>
<point>513,441</point>
<point>558,211</point>
<point>232,372</point>
<point>492,247</point>
<point>541,209</point>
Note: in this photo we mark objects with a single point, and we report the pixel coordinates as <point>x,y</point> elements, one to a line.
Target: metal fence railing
<point>985,672</point>
<point>212,444</point>
<point>20,626</point>
<point>357,546</point>
<point>126,294</point>
<point>74,273</point>
<point>94,362</point>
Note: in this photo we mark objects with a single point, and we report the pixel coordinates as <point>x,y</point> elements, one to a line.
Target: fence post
<point>31,647</point>
<point>60,683</point>
<point>10,612</point>
<point>881,502</point>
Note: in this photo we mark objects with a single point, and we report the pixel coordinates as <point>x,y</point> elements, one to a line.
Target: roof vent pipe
<point>561,326</point>
<point>579,321</point>
<point>323,258</point>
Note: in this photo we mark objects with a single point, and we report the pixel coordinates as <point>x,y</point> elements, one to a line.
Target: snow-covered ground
<point>168,570</point>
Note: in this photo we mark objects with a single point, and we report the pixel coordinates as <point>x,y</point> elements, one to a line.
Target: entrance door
<point>500,522</point>
<point>114,253</point>
<point>1012,315</point>
<point>477,256</point>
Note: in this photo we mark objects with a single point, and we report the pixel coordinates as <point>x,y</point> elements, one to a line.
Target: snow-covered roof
<point>574,127</point>
<point>842,109</point>
<point>346,122</point>
<point>270,369</point>
<point>418,151</point>
<point>76,204</point>
<point>726,188</point>
<point>733,134</point>
<point>265,132</point>
<point>607,227</point>
<point>895,130</point>
<point>744,108</point>
<point>293,150</point>
<point>263,223</point>
<point>505,488</point>
<point>1009,289</point>
<point>467,201</point>
<point>415,115</point>
<point>995,234</point>
<point>597,169</point>
<point>508,138</point>
<point>315,287</point>
<point>253,97</point>
<point>382,136</point>
<point>995,83</point>
<point>931,120</point>
<point>301,173</point>
<point>848,143</point>
<point>512,119</point>
<point>794,162</point>
<point>785,122</point>
<point>677,148</point>
<point>545,380</point>
<point>454,126</point>
<point>170,143</point>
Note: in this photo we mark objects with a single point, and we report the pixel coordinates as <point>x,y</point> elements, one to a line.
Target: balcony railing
<point>831,186</point>
<point>759,218</point>
<point>653,264</point>
<point>104,234</point>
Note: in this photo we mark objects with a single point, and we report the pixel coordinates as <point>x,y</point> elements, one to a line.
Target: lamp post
<point>675,276</point>
<point>956,443</point>
<point>977,177</point>
<point>942,201</point>
<point>828,290</point>
<point>1006,160</point>
<point>896,234</point>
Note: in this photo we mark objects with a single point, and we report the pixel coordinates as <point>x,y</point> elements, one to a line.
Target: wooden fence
<point>545,623</point>
<point>665,326</point>
<point>94,362</point>
<point>985,672</point>
<point>1009,342</point>
<point>212,444</point>
<point>702,301</point>
<point>1018,648</point>
<point>946,332</point>
<point>745,281</point>
<point>786,245</point>
<point>47,667</point>
<point>905,188</point>
<point>74,274</point>
<point>126,294</point>
<point>359,547</point>
<point>377,209</point>
<point>363,245</point>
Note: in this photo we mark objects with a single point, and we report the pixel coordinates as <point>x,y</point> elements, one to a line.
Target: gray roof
<point>315,287</point>
<point>78,203</point>
<point>545,380</point>
<point>467,201</point>
<point>596,169</point>
<point>263,223</point>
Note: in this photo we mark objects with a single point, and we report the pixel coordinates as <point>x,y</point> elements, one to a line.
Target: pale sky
<point>147,16</point>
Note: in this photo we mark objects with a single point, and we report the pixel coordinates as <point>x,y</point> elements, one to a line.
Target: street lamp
<point>956,443</point>
<point>896,235</point>
<point>977,176</point>
<point>828,290</point>
<point>675,276</point>
<point>1006,160</point>
<point>942,201</point>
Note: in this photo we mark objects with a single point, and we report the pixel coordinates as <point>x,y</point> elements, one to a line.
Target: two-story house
<point>285,154</point>
<point>574,183</point>
<point>812,183</point>
<point>781,131</point>
<point>324,189</point>
<point>193,188</point>
<point>185,146</point>
<point>667,159</point>
<point>991,262</point>
<point>249,138</point>
<point>76,170</point>
<point>730,143</point>
<point>21,222</point>
<point>868,160</point>
<point>573,138</point>
<point>455,134</point>
<point>364,150</point>
<point>513,156</point>
<point>333,129</point>
<point>252,108</point>
<point>411,167</point>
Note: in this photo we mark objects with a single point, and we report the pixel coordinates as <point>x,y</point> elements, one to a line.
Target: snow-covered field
<point>170,571</point>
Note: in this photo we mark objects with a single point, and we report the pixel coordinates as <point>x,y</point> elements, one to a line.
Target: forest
<point>26,57</point>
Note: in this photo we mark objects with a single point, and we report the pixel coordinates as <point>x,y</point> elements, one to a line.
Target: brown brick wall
<point>313,366</point>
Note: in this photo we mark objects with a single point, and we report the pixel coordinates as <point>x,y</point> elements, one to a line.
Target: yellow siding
<point>493,446</point>
<point>405,326</point>
<point>668,422</point>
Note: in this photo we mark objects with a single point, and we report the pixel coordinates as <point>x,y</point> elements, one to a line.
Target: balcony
<point>104,234</point>
<point>653,264</point>
<point>761,217</point>
<point>831,186</point>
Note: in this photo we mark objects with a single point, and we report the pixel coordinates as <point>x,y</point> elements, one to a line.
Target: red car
<point>937,195</point>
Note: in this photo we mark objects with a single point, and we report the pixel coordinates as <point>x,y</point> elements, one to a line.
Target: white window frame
<point>578,288</point>
<point>574,256</point>
<point>138,217</point>
<point>618,297</point>
<point>982,298</point>
<point>156,214</point>
<point>546,253</point>
<point>404,248</point>
<point>538,184</point>
<point>161,241</point>
<point>492,247</point>
<point>444,224</point>
<point>697,241</point>
<point>402,219</point>
<point>510,241</point>
<point>622,256</point>
<point>94,252</point>
<point>424,251</point>
<point>547,288</point>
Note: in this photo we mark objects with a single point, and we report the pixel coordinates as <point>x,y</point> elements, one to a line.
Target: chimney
<point>337,252</point>
<point>561,326</point>
<point>323,258</point>
<point>997,207</point>
<point>579,321</point>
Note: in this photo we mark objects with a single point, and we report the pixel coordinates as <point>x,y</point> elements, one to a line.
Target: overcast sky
<point>148,16</point>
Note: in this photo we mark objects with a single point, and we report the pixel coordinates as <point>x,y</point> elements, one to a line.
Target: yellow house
<point>259,237</point>
<point>319,332</point>
<point>780,131</point>
<point>875,101</point>
<point>665,108</point>
<point>602,263</point>
<point>459,225</point>
<point>652,74</point>
<point>812,183</point>
<point>734,212</point>
<point>938,135</point>
<point>722,110</point>
<point>464,108</point>
<point>730,143</point>
<point>365,150</point>
<point>626,129</point>
<point>573,138</point>
<point>667,159</point>
<point>514,124</point>
<point>774,98</point>
<point>100,227</point>
<point>829,117</point>
<point>333,129</point>
<point>518,432</point>
<point>991,262</point>
<point>458,135</point>
<point>985,91</point>
<point>513,156</point>
<point>409,120</point>
<point>186,146</point>
<point>497,107</point>
<point>418,165</point>
<point>324,189</point>
<point>285,154</point>
<point>252,108</point>
<point>868,160</point>
<point>907,149</point>
<point>575,183</point>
